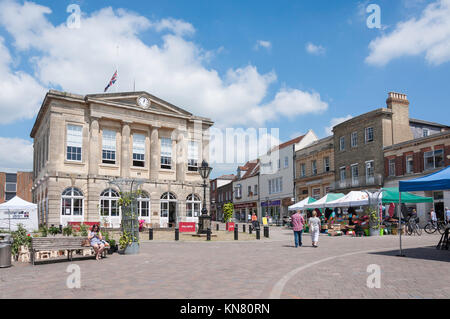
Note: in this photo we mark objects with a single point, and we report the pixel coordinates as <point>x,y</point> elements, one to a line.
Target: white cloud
<point>16,154</point>
<point>178,70</point>
<point>21,94</point>
<point>335,121</point>
<point>263,44</point>
<point>315,49</point>
<point>428,35</point>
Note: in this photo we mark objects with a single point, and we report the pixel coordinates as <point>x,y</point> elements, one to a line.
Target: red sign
<point>185,227</point>
<point>230,226</point>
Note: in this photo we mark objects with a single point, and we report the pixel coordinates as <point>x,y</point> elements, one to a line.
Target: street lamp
<point>204,221</point>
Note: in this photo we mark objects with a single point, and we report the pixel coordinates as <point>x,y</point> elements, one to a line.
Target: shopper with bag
<point>314,229</point>
<point>297,225</point>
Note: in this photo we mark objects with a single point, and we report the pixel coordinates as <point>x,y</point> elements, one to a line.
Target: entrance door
<point>439,209</point>
<point>168,214</point>
<point>172,214</point>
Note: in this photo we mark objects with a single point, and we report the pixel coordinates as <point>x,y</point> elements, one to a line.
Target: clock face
<point>144,102</point>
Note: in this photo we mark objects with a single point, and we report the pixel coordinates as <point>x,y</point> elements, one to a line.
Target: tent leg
<point>400,223</point>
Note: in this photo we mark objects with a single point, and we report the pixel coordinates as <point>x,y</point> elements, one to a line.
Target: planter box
<point>230,226</point>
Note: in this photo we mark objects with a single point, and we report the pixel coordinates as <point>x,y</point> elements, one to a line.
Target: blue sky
<point>319,87</point>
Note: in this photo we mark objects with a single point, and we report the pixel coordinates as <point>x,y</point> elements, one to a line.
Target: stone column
<point>181,160</point>
<point>94,147</point>
<point>125,151</point>
<point>155,151</point>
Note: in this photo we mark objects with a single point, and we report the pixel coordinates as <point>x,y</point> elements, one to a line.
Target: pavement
<point>270,268</point>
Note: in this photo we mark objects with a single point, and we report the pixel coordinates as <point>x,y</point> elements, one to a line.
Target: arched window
<point>193,206</point>
<point>143,204</point>
<point>72,202</point>
<point>165,199</point>
<point>109,203</point>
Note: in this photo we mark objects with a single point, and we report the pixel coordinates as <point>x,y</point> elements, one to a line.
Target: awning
<point>392,195</point>
<point>436,181</point>
<point>300,205</point>
<point>324,201</point>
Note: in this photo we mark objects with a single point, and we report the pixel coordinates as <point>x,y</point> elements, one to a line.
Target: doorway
<point>172,214</point>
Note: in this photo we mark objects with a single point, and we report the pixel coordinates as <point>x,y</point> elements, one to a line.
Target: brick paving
<point>246,269</point>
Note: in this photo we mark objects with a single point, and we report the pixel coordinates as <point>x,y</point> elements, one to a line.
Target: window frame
<point>109,156</point>
<point>354,139</point>
<point>139,156</point>
<point>367,130</point>
<point>75,149</point>
<point>166,161</point>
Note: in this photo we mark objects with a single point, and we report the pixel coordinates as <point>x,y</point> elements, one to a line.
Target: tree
<point>228,210</point>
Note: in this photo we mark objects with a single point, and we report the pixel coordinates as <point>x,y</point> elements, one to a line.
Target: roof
<point>227,177</point>
<point>251,169</point>
<point>17,203</point>
<point>428,123</point>
<point>291,142</point>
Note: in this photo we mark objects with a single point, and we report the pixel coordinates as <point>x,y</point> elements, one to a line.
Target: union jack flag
<point>113,80</point>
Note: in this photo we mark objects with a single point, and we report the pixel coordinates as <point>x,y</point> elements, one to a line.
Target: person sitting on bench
<point>96,239</point>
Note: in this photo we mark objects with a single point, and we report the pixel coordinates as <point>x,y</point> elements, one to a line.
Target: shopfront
<point>244,210</point>
<point>272,210</point>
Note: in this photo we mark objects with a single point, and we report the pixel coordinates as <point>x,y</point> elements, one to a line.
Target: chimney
<point>399,105</point>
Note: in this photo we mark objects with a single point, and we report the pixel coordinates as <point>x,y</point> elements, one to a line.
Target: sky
<point>290,65</point>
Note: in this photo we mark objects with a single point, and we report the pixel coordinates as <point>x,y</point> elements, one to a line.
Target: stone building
<point>359,143</point>
<point>15,184</point>
<point>82,142</point>
<point>246,191</point>
<point>314,169</point>
<point>215,185</point>
<point>417,158</point>
<point>224,196</point>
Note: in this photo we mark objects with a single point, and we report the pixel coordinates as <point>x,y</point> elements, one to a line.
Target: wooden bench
<point>70,244</point>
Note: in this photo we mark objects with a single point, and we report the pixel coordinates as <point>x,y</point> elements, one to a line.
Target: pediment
<point>130,99</point>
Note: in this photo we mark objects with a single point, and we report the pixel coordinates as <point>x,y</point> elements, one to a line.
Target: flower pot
<point>132,249</point>
<point>374,232</point>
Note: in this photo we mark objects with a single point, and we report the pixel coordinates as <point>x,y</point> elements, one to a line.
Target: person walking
<point>433,216</point>
<point>447,214</point>
<point>314,229</point>
<point>297,225</point>
<point>254,220</point>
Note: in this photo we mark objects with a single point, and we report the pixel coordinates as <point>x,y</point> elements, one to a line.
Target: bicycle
<point>412,226</point>
<point>434,226</point>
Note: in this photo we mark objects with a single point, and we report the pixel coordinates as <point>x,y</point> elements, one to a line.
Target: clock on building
<point>144,102</point>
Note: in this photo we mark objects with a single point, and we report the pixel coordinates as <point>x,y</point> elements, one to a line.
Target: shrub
<point>84,230</point>
<point>53,230</point>
<point>20,238</point>
<point>43,230</point>
<point>228,212</point>
<point>67,231</point>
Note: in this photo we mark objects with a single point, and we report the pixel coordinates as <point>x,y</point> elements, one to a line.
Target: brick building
<point>314,169</point>
<point>246,191</point>
<point>224,196</point>
<point>359,143</point>
<point>417,158</point>
<point>215,185</point>
<point>16,184</point>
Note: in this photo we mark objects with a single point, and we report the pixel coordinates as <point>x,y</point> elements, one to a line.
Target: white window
<point>109,203</point>
<point>392,167</point>
<point>192,156</point>
<point>143,204</point>
<point>369,134</point>
<point>316,193</point>
<point>166,153</point>
<point>425,132</point>
<point>109,147</point>
<point>314,167</point>
<point>433,159</point>
<point>256,189</point>
<point>71,202</point>
<point>286,162</point>
<point>249,188</point>
<point>193,206</point>
<point>74,142</point>
<point>342,176</point>
<point>10,187</point>
<point>279,163</point>
<point>238,191</point>
<point>326,164</point>
<point>276,185</point>
<point>370,173</point>
<point>342,143</point>
<point>354,139</point>
<point>355,175</point>
<point>138,150</point>
<point>409,164</point>
<point>303,170</point>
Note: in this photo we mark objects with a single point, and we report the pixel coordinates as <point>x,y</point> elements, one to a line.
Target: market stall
<point>300,205</point>
<point>18,211</point>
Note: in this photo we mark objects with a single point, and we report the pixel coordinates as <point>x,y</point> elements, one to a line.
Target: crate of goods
<point>336,227</point>
<point>324,226</point>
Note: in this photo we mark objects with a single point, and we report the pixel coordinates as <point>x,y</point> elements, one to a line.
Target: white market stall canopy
<point>323,202</point>
<point>300,205</point>
<point>355,199</point>
<point>18,211</point>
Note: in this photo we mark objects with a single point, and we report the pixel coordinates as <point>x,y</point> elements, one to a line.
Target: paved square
<point>270,268</point>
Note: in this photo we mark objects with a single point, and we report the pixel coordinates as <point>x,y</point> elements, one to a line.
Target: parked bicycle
<point>412,227</point>
<point>434,226</point>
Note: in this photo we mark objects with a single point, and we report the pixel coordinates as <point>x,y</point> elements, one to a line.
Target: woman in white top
<point>314,228</point>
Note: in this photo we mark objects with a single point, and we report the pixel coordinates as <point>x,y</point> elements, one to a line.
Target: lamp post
<point>204,221</point>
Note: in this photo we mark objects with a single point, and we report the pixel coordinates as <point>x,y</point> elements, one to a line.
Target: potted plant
<point>53,230</point>
<point>228,214</point>
<point>374,222</point>
<point>67,231</point>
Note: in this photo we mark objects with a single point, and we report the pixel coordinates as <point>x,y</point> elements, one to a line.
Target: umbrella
<point>353,199</point>
<point>324,201</point>
<point>301,204</point>
<point>392,195</point>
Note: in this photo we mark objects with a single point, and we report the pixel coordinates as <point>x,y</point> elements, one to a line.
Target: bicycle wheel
<point>441,228</point>
<point>409,229</point>
<point>417,229</point>
<point>430,229</point>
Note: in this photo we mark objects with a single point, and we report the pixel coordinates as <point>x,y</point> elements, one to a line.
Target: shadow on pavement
<point>427,253</point>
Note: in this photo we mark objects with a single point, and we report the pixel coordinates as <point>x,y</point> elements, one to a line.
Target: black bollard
<point>266,231</point>
<point>236,230</point>
<point>208,234</point>
<point>177,234</point>
<point>243,228</point>
<point>250,228</point>
<point>217,227</point>
<point>258,235</point>
<point>150,234</point>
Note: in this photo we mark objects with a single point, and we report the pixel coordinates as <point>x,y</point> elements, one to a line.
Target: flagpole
<point>117,69</point>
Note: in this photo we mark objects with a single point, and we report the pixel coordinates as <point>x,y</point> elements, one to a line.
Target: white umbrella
<point>353,199</point>
<point>324,201</point>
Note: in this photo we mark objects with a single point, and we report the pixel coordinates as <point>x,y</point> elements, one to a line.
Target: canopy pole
<point>400,223</point>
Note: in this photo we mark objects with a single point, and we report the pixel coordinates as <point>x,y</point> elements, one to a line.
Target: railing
<point>360,181</point>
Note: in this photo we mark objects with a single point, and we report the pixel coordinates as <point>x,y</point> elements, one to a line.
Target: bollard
<point>266,231</point>
<point>250,228</point>
<point>208,234</point>
<point>150,234</point>
<point>258,235</point>
<point>60,229</point>
<point>236,230</point>
<point>177,234</point>
<point>217,227</point>
<point>243,228</point>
